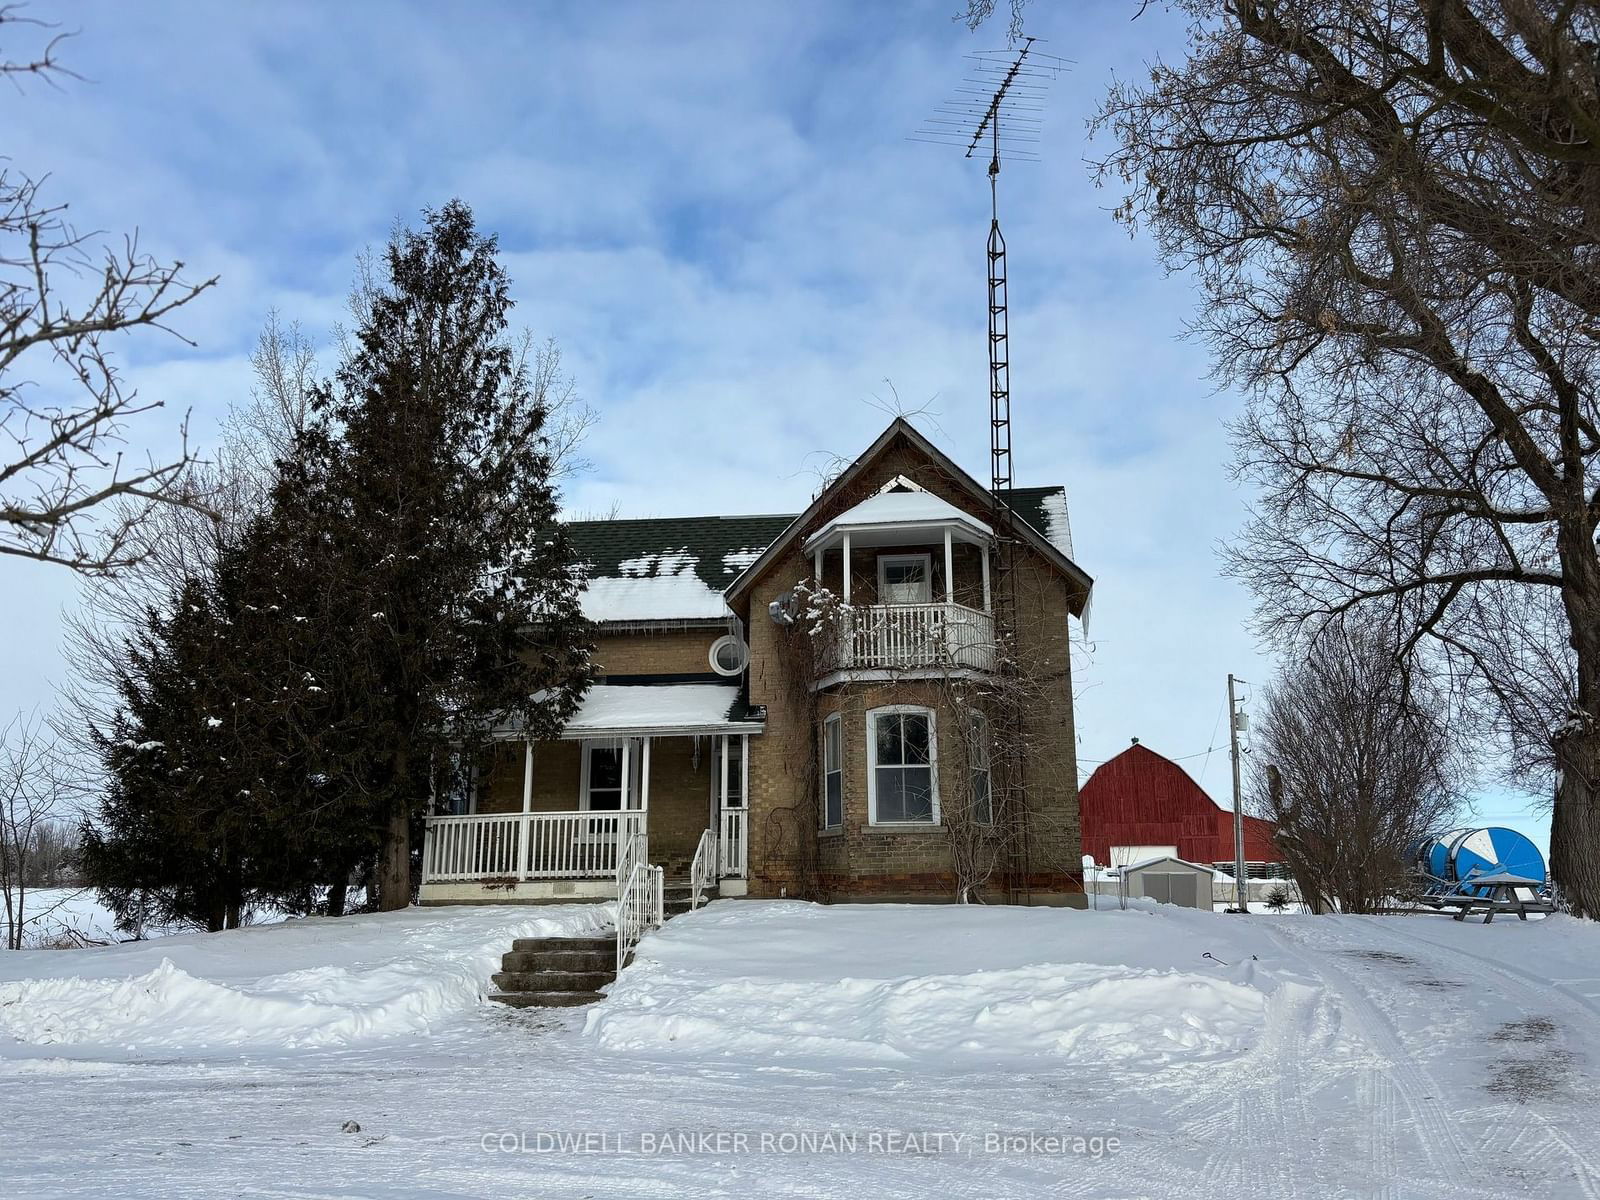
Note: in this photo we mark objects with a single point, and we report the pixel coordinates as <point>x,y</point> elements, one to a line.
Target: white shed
<point>1170,880</point>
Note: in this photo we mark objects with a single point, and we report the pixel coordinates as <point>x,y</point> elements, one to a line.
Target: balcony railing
<point>549,845</point>
<point>911,636</point>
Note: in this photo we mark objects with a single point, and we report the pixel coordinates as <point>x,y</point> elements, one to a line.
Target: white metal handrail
<point>550,845</point>
<point>641,903</point>
<point>731,844</point>
<point>703,868</point>
<point>901,636</point>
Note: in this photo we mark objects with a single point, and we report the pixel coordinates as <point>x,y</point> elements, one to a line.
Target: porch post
<point>525,826</point>
<point>722,773</point>
<point>847,568</point>
<point>627,769</point>
<point>949,568</point>
<point>527,776</point>
<point>816,570</point>
<point>644,777</point>
<point>988,605</point>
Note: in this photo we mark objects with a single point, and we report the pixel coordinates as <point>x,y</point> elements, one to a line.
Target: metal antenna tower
<point>998,110</point>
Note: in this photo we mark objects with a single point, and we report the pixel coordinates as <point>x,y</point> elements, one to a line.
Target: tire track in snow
<point>1257,1125</point>
<point>1438,1138</point>
<point>1536,993</point>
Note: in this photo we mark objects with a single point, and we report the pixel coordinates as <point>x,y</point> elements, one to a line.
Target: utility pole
<point>1236,721</point>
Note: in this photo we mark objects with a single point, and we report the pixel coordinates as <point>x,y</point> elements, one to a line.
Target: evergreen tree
<point>429,520</point>
<point>219,791</point>
<point>177,819</point>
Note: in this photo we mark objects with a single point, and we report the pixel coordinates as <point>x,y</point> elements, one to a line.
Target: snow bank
<point>311,983</point>
<point>879,984</point>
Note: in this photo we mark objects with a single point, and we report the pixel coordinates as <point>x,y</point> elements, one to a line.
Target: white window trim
<point>872,764</point>
<point>744,654</point>
<point>589,744</point>
<point>837,722</point>
<point>927,573</point>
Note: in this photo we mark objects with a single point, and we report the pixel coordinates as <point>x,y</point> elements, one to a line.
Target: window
<point>602,776</point>
<point>905,578</point>
<point>729,655</point>
<point>901,784</point>
<point>981,809</point>
<point>832,773</point>
<point>733,764</point>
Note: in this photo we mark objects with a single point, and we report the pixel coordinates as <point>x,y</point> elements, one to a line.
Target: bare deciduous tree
<point>1393,210</point>
<point>38,791</point>
<point>64,407</point>
<point>1365,764</point>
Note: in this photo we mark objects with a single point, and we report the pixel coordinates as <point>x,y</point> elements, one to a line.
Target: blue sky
<point>716,212</point>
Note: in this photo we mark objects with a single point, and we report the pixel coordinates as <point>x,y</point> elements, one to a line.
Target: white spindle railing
<point>731,843</point>
<point>555,845</point>
<point>703,868</point>
<point>900,636</point>
<point>641,901</point>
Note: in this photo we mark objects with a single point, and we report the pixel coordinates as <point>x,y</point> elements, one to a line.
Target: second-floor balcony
<point>916,637</point>
<point>912,574</point>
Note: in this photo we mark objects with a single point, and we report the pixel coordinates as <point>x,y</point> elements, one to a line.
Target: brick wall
<point>787,850</point>
<point>665,652</point>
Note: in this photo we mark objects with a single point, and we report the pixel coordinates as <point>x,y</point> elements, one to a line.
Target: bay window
<point>902,784</point>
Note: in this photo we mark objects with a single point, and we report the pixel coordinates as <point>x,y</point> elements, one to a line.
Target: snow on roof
<point>667,568</point>
<point>654,587</point>
<point>904,508</point>
<point>1057,527</point>
<point>617,709</point>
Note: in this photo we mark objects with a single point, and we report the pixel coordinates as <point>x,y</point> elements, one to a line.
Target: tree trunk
<point>216,914</point>
<point>338,891</point>
<point>393,876</point>
<point>235,912</point>
<point>1575,820</point>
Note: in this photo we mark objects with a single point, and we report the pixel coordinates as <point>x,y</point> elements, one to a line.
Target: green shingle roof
<point>675,568</point>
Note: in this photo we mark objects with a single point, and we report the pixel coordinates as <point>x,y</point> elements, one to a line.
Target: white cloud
<point>716,212</point>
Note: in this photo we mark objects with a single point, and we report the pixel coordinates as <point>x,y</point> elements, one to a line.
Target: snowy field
<point>785,1049</point>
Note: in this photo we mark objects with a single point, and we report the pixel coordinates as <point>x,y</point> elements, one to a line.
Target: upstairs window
<point>901,781</point>
<point>832,773</point>
<point>905,579</point>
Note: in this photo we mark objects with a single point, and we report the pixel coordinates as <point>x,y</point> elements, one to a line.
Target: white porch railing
<point>548,845</point>
<point>902,636</point>
<point>641,902</point>
<point>703,868</point>
<point>731,844</point>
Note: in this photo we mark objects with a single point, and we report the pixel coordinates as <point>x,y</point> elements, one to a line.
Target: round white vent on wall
<point>729,655</point>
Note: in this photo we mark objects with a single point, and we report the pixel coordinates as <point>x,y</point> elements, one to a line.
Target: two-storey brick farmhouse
<point>806,705</point>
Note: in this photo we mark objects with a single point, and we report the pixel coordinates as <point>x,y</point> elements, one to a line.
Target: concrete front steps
<point>553,972</point>
<point>676,895</point>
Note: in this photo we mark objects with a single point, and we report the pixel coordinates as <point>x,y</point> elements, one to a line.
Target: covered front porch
<point>666,765</point>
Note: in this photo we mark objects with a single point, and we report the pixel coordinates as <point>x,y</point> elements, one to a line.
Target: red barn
<point>1141,800</point>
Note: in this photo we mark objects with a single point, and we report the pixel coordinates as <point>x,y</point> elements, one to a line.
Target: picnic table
<point>1499,892</point>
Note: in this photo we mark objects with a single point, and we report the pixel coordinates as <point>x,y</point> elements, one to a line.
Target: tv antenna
<point>998,110</point>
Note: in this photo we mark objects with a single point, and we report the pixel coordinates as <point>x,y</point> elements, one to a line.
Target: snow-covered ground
<point>788,1049</point>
